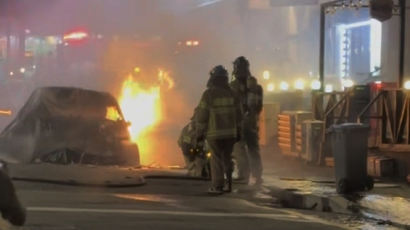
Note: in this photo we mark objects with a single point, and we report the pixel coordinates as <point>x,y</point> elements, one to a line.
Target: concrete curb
<point>139,182</point>
<point>292,198</point>
<point>77,175</point>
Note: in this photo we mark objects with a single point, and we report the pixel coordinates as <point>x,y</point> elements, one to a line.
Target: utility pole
<point>8,35</point>
<point>402,53</point>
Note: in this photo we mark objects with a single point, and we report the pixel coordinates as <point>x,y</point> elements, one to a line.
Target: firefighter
<point>217,120</point>
<point>10,207</point>
<point>194,153</point>
<point>246,151</point>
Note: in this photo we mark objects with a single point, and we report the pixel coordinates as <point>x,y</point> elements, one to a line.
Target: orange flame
<point>142,107</point>
<point>165,78</point>
<point>112,114</point>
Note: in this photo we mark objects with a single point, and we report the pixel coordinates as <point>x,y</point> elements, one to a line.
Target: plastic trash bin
<point>349,147</point>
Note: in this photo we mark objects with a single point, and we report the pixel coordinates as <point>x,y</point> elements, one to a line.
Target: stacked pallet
<point>285,134</point>
<point>300,138</point>
<point>291,132</point>
<point>380,166</point>
<point>268,124</point>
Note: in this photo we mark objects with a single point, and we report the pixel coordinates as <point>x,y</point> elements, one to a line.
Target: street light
<point>266,75</point>
<point>270,87</point>
<point>407,85</point>
<point>315,85</point>
<point>329,88</point>
<point>299,84</point>
<point>284,86</point>
<point>347,83</point>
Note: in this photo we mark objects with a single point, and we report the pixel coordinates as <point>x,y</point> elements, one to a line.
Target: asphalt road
<point>160,204</point>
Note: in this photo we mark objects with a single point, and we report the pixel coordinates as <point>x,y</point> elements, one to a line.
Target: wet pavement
<point>294,195</point>
<point>160,204</point>
<point>311,187</point>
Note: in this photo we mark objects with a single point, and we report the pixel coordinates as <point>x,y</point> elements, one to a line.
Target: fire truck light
<point>75,36</point>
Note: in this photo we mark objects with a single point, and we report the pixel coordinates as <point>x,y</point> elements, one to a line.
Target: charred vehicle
<point>69,126</point>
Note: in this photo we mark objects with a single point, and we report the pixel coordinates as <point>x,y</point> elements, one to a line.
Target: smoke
<point>151,35</point>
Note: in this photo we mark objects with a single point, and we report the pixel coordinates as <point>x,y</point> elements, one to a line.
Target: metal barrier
<point>392,112</point>
<point>332,108</point>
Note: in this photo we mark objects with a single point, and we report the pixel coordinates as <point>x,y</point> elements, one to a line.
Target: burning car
<point>65,125</point>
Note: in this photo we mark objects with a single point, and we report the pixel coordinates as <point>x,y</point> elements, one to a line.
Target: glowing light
<point>195,43</point>
<point>266,75</point>
<point>79,35</point>
<point>22,70</point>
<point>378,84</point>
<point>270,87</point>
<point>344,44</point>
<point>51,40</point>
<point>34,67</point>
<point>11,73</point>
<point>407,85</point>
<point>113,114</point>
<point>347,83</point>
<point>315,85</point>
<point>5,112</point>
<point>165,78</point>
<point>188,43</point>
<point>27,31</point>
<point>299,84</point>
<point>329,88</point>
<point>137,69</point>
<point>284,86</point>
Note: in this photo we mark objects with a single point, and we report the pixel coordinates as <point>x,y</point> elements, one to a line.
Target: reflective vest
<point>218,114</point>
<point>240,91</point>
<point>255,99</point>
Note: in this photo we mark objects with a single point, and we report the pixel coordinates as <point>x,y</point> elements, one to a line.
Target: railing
<point>332,108</point>
<point>393,117</point>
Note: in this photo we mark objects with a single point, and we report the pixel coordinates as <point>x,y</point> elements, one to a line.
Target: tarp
<point>60,118</point>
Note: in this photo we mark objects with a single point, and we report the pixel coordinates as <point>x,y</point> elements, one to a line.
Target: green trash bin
<point>349,147</point>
